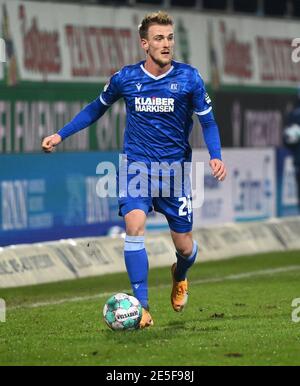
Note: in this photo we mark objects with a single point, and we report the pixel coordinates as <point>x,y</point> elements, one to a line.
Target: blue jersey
<point>159,113</point>
<point>159,122</point>
<point>159,110</point>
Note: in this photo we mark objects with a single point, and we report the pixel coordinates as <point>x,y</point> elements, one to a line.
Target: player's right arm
<point>86,117</point>
<point>203,109</point>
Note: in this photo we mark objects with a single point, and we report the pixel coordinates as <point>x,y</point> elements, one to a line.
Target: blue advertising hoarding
<point>53,196</point>
<point>248,192</point>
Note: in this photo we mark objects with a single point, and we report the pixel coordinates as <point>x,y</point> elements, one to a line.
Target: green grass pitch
<point>239,313</point>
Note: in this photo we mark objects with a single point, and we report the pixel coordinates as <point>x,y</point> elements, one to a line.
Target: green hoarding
<point>31,111</point>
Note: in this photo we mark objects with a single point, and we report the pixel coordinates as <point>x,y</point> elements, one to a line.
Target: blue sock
<point>136,261</point>
<point>184,263</point>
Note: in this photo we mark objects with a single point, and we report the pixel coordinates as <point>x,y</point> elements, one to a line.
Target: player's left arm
<point>213,142</point>
<point>203,109</point>
<point>87,116</point>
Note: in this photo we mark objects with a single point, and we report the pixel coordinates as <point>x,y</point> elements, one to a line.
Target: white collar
<point>156,77</point>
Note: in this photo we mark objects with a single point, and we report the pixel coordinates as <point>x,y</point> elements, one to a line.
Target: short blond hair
<point>159,17</point>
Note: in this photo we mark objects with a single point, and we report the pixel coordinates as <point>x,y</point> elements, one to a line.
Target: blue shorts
<point>176,207</point>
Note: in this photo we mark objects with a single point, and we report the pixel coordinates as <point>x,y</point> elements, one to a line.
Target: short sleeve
<point>112,90</point>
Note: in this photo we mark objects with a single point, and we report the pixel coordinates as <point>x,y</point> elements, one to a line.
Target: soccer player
<point>161,96</point>
<point>291,138</point>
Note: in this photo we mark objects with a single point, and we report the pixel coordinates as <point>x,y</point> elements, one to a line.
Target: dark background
<point>273,8</point>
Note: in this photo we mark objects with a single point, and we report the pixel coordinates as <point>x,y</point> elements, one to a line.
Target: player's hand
<point>50,142</point>
<point>218,169</point>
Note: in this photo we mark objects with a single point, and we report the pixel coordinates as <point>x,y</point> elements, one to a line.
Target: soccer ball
<point>122,312</point>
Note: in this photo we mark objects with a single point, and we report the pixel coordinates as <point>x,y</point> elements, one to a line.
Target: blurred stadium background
<point>60,54</point>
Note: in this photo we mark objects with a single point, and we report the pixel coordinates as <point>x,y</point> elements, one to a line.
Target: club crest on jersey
<point>139,86</point>
<point>174,87</point>
<point>154,104</point>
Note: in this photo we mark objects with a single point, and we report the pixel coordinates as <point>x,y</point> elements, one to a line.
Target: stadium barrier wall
<point>31,111</point>
<point>91,43</point>
<point>25,265</point>
<point>252,117</point>
<point>43,197</point>
<point>247,194</point>
<point>39,92</point>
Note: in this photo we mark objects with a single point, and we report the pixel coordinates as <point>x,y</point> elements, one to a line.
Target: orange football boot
<point>146,320</point>
<point>179,295</point>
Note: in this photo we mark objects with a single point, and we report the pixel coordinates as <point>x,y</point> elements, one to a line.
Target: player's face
<point>159,44</point>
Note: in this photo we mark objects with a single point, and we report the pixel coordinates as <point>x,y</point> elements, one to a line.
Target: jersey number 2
<point>186,207</point>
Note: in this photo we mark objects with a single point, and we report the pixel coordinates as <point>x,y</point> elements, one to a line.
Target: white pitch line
<point>238,276</point>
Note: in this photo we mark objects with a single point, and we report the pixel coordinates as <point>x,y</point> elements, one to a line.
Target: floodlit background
<point>59,56</point>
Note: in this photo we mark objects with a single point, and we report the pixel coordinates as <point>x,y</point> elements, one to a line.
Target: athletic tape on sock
<point>134,243</point>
